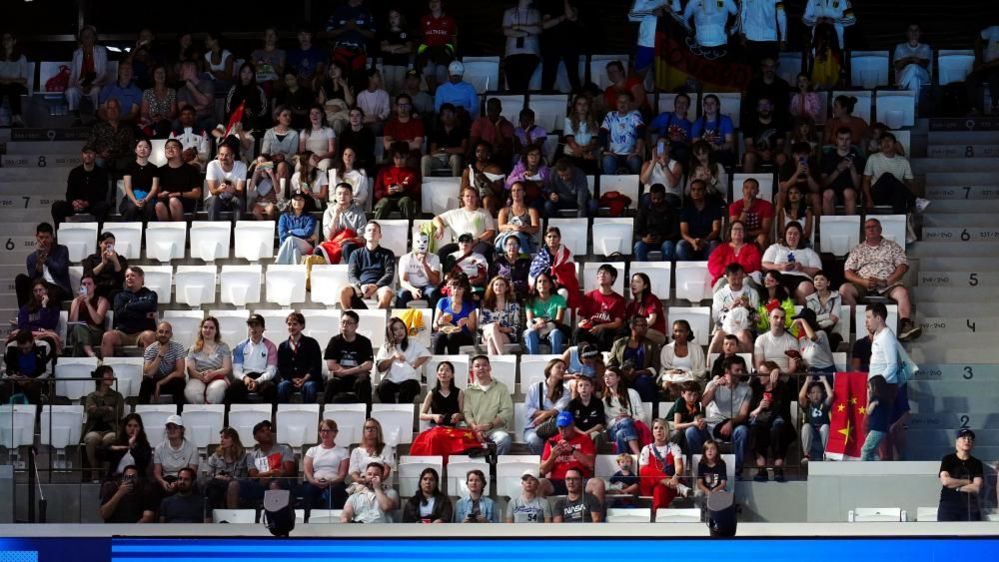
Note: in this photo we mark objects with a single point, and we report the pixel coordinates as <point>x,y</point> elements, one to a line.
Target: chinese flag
<point>444,441</point>
<point>847,417</point>
<point>237,116</point>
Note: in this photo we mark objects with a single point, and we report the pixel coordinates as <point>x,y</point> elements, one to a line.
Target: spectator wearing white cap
<point>457,92</point>
<point>173,454</point>
<point>529,507</point>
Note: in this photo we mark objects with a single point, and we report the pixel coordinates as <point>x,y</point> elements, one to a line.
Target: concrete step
<point>957,374</point>
<point>971,404</point>
<point>943,325</point>
<point>36,214</point>
<point>979,385</point>
<point>971,295</point>
<point>962,220</point>
<point>954,151</point>
<point>44,147</point>
<point>969,249</point>
<point>960,234</point>
<point>35,174</point>
<point>51,189</point>
<point>949,164</point>
<point>961,138</point>
<point>918,452</point>
<point>8,300</point>
<point>41,160</point>
<point>938,192</point>
<point>955,279</point>
<point>960,355</point>
<point>943,263</point>
<point>951,174</point>
<point>956,309</point>
<point>953,422</point>
<point>942,438</point>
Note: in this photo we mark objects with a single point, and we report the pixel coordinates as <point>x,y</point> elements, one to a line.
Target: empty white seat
<point>839,234</point>
<point>327,282</point>
<point>79,237</point>
<point>693,281</point>
<point>285,284</point>
<point>165,241</point>
<point>590,275</point>
<point>372,325</point>
<point>519,420</point>
<point>321,516</point>
<point>128,372</point>
<point>876,515</point>
<point>926,513</point>
<point>240,284</point>
<point>61,426</point>
<point>242,418</point>
<point>892,227</point>
<point>458,467</point>
<point>396,420</point>
<point>438,195</point>
<point>297,424</point>
<point>699,318</point>
<point>509,469</point>
<point>255,239</point>
<point>210,240</point>
<point>613,236</point>
<point>321,325</point>
<point>395,235</point>
<point>202,423</point>
<point>954,65</point>
<point>660,273</point>
<point>127,238</point>
<point>72,376</point>
<point>896,108</point>
<point>624,184</point>
<point>575,233</point>
<point>195,284</point>
<point>246,516</point>
<point>864,100</point>
<point>765,179</point>
<point>159,279</point>
<point>549,110</point>
<point>349,420</point>
<point>185,323</point>
<point>860,315</point>
<point>628,515</point>
<point>411,466</point>
<point>17,425</point>
<point>869,69</point>
<point>482,72</point>
<point>730,104</point>
<point>154,418</point>
<point>678,515</point>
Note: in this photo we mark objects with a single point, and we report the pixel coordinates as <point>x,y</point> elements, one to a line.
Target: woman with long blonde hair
<point>209,365</point>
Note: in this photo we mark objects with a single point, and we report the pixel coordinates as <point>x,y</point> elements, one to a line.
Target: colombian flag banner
<point>681,64</point>
<point>847,417</point>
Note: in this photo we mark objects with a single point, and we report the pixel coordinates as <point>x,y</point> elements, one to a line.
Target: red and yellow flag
<point>847,418</point>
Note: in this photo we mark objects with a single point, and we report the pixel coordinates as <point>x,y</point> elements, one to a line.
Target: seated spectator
<point>306,58</point>
<point>192,136</point>
<point>372,448</point>
<point>265,189</point>
<point>423,102</point>
<point>813,344</point>
<point>318,138</point>
<point>545,311</point>
<point>733,309</point>
<point>457,92</point>
<point>622,82</point>
<point>826,303</point>
<point>88,72</point>
<point>356,178</point>
<point>588,411</point>
<point>209,365</point>
<point>455,317</point>
<point>806,102</point>
<point>986,70</point>
<point>726,404</point>
<point>448,145</point>
<point>198,93</point>
<point>556,260</point>
<point>528,133</point>
<point>911,61</point>
<point>325,469</point>
<point>281,143</point>
<point>773,293</point>
<point>730,348</point>
<point>484,176</point>
<point>28,366</point>
<point>657,227</point>
<point>570,450</point>
<point>180,186</point>
<point>755,214</point>
<point>681,360</point>
<point>471,218</point>
<point>86,190</point>
<point>623,410</point>
<point>876,266</point>
<point>601,312</point>
<point>429,504</point>
<point>712,472</point>
<point>219,62</point>
<point>661,467</point>
<point>268,59</point>
<point>174,454</point>
<point>142,184</point>
<point>673,128</point>
<point>130,447</point>
<point>716,129</point>
<point>494,129</point>
<point>704,166</point>
<point>625,145</point>
<point>444,403</point>
<point>437,47</point>
<point>343,226</point>
<point>797,209</point>
<point>163,367</point>
<point>40,318</point>
<point>14,77</point>
<point>624,483</point>
<point>816,399</point>
<point>801,172</point>
<point>636,357</point>
<point>513,266</point>
<point>488,407</point>
<point>419,274</point>
<point>86,319</point>
<point>532,173</point>
<point>296,232</point>
<point>270,466</point>
<point>775,344</point>
<point>359,138</point>
<point>766,84</point>
<point>797,264</point>
<point>225,466</point>
<point>663,170</point>
<point>770,418</point>
<point>226,181</point>
<point>802,131</point>
<point>311,181</point>
<point>585,361</point>
<point>466,261</point>
<point>476,507</point>
<point>334,92</point>
<point>567,189</point>
<point>738,250</point>
<point>405,128</point>
<point>700,225</point>
<point>841,174</point>
<point>254,364</point>
<point>186,504</point>
<point>544,402</point>
<point>370,271</point>
<point>299,367</point>
<point>581,132</point>
<point>397,187</point>
<point>248,98</point>
<point>375,101</point>
<point>842,112</point>
<point>687,411</point>
<point>349,359</point>
<point>765,133</point>
<point>529,507</point>
<point>351,28</point>
<point>888,179</point>
<point>399,362</point>
<point>128,499</point>
<point>135,311</point>
<point>500,317</point>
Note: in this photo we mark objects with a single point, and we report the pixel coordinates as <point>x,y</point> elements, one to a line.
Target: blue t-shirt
<point>668,125</point>
<point>305,62</point>
<point>126,96</point>
<point>699,223</point>
<point>721,126</point>
<point>467,306</point>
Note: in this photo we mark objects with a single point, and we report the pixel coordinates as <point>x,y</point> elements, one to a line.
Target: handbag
<point>548,428</point>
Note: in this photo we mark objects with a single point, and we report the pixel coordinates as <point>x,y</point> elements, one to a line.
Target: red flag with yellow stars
<point>444,441</point>
<point>847,417</point>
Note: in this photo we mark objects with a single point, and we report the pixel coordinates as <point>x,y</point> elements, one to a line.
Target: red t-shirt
<point>758,211</point>
<point>399,131</point>
<point>612,91</point>
<point>650,305</point>
<point>390,175</point>
<point>438,32</point>
<point>563,463</point>
<point>493,133</point>
<point>601,308</point>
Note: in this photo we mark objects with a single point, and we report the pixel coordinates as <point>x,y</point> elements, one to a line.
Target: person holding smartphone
<point>770,418</point>
<point>127,500</point>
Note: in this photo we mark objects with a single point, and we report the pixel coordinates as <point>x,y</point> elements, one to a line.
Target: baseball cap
<point>175,419</point>
<point>564,419</point>
<point>808,315</point>
<point>532,472</point>
<point>965,432</point>
<point>456,68</point>
<point>255,319</point>
<point>262,424</point>
<point>466,237</point>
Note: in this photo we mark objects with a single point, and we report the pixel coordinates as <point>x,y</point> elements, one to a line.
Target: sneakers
<point>761,475</point>
<point>909,330</point>
<point>684,491</point>
<point>779,475</point>
<point>922,204</point>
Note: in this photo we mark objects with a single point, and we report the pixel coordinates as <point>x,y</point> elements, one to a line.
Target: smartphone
<point>110,248</point>
<point>661,147</point>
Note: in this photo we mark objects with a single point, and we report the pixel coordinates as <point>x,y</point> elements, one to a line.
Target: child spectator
<point>816,415</point>
<point>712,473</point>
<point>624,482</point>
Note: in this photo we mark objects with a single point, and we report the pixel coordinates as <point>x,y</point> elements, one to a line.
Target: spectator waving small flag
<point>847,417</point>
<point>236,117</point>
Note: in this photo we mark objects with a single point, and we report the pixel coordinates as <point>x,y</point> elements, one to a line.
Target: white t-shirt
<point>816,354</point>
<point>360,459</point>
<point>215,172</point>
<point>772,348</point>
<point>375,103</point>
<point>317,142</point>
<point>725,297</point>
<point>777,253</point>
<point>462,221</point>
<point>527,45</point>
<point>222,60</point>
<point>416,276</point>
<point>315,186</point>
<point>401,371</point>
<point>878,164</point>
<point>326,462</point>
<point>991,36</point>
<point>357,179</point>
<point>472,265</point>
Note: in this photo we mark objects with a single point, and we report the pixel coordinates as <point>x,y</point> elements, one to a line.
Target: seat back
<point>458,467</point>
<point>165,241</point>
<point>159,279</point>
<point>185,323</point>
<point>954,65</point>
<point>864,99</point>
<point>693,281</point>
<point>590,275</point>
<point>482,73</point>
<point>660,275</point>
<point>286,284</point>
<point>396,420</point>
<point>437,195</point>
<point>349,420</point>
<point>73,377</point>
<point>395,235</point>
<point>79,237</point>
<point>626,184</point>
<point>838,234</point>
<point>195,284</point>
<point>613,236</point>
<point>896,108</point>
<point>699,318</point>
<point>61,425</point>
<point>869,69</point>
<point>628,515</point>
<point>210,240</point>
<point>575,233</point>
<point>409,471</point>
<point>240,284</point>
<point>127,238</point>
<point>549,110</point>
<point>247,516</point>
<point>202,423</point>
<point>508,473</point>
<point>128,372</point>
<point>678,515</point>
<point>17,425</point>
<point>154,418</point>
<point>327,281</point>
<point>242,418</point>
<point>892,227</point>
<point>297,424</point>
<point>255,239</point>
